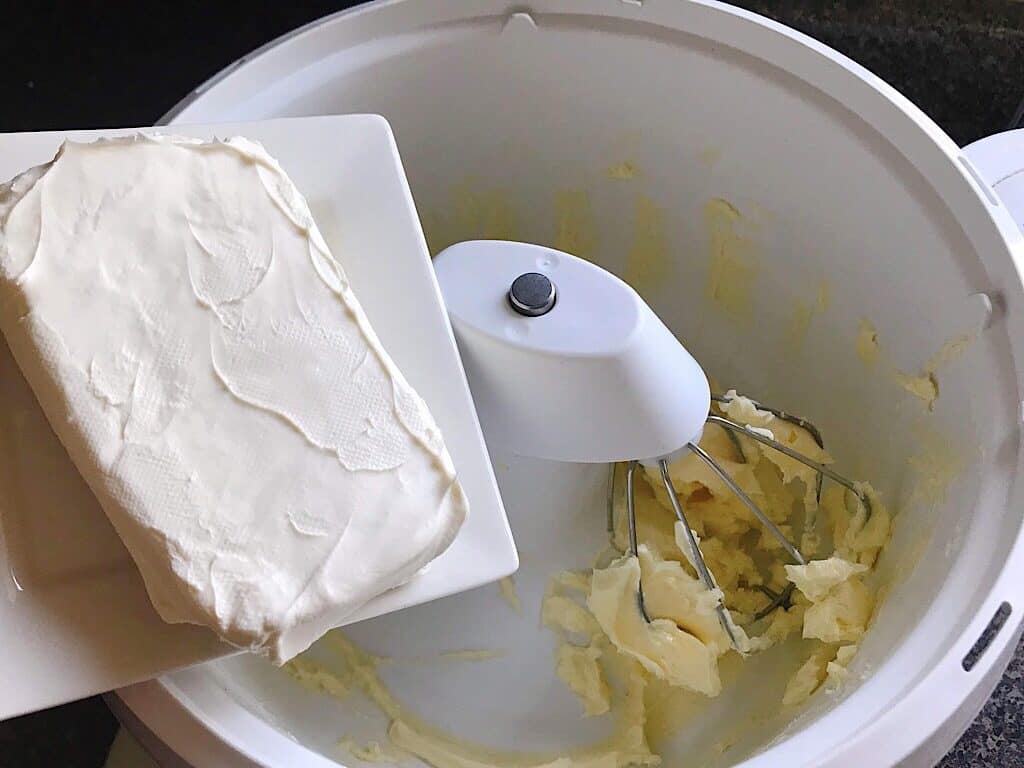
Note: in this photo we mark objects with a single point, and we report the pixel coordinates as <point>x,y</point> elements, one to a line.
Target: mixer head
<point>572,365</point>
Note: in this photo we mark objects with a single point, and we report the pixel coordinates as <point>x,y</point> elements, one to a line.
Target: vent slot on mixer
<point>987,636</point>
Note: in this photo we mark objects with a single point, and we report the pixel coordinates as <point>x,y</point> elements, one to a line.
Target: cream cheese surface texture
<point>202,357</point>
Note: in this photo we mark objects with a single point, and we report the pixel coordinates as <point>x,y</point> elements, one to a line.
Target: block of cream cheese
<point>201,355</point>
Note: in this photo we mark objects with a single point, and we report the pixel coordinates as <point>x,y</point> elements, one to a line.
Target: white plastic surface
<point>999,160</point>
<point>514,125</point>
<point>81,622</point>
<point>598,378</point>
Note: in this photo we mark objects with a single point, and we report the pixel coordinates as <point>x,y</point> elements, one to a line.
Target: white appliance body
<point>675,142</point>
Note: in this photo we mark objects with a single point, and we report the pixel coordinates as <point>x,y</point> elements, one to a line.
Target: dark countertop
<point>95,64</point>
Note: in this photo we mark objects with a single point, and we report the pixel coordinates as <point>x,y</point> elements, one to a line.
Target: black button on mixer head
<point>532,294</point>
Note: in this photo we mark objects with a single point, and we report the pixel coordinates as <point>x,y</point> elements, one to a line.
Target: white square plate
<point>74,615</point>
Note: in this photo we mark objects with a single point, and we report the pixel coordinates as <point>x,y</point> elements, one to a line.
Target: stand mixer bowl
<point>774,203</point>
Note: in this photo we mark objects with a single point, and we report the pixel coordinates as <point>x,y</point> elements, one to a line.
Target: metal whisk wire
<point>696,556</point>
<point>821,469</point>
<point>631,528</point>
<point>779,414</point>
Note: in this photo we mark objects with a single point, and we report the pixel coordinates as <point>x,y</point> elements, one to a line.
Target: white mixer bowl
<point>604,127</point>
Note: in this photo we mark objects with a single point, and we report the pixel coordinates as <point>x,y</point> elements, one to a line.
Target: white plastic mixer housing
<point>597,377</point>
<point>509,117</point>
